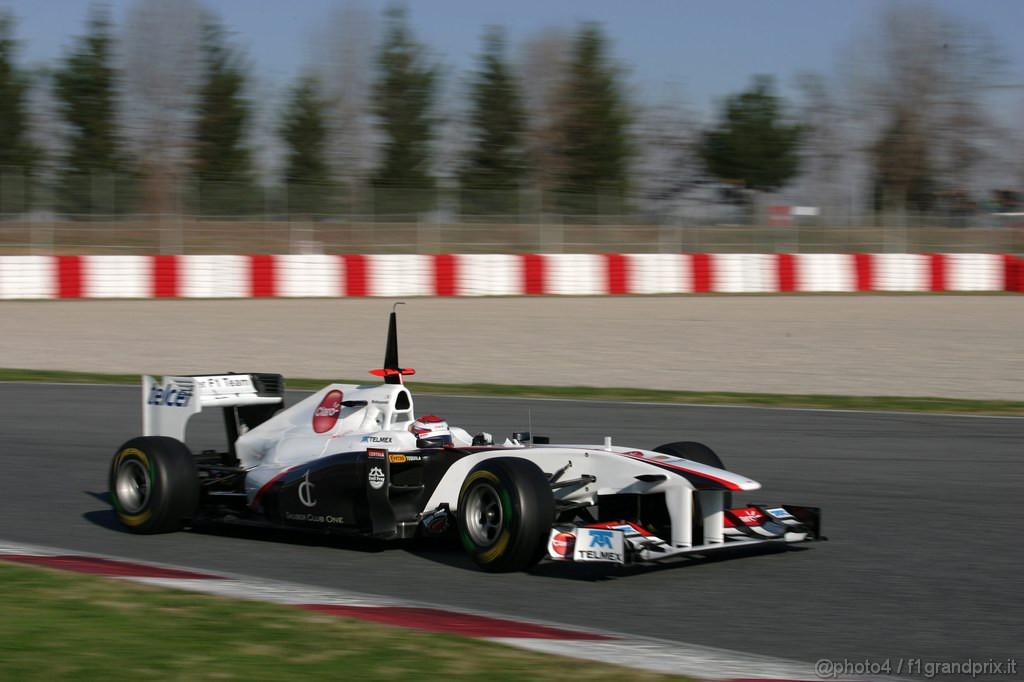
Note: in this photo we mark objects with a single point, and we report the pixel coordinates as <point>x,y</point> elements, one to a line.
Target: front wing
<point>626,542</point>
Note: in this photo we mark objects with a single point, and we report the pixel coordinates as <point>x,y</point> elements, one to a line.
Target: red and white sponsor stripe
<point>744,273</point>
<point>864,271</point>
<point>565,640</point>
<point>658,273</point>
<point>824,272</point>
<point>400,275</point>
<point>214,277</point>
<point>28,277</point>
<point>490,274</point>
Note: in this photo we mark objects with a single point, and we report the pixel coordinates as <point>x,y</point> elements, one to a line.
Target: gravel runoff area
<point>911,345</point>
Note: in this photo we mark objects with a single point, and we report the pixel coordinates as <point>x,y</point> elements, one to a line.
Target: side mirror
<point>521,436</point>
<point>541,440</point>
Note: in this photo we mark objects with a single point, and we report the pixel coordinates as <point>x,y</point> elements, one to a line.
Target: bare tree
<point>544,68</point>
<point>344,57</point>
<point>925,77</point>
<point>1018,155</point>
<point>667,168</point>
<point>47,130</point>
<point>162,65</point>
<point>829,145</point>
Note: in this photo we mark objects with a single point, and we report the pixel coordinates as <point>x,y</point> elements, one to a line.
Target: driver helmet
<point>428,424</point>
<point>432,431</point>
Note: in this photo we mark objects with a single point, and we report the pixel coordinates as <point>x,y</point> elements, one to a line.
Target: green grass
<point>832,402</point>
<point>58,626</point>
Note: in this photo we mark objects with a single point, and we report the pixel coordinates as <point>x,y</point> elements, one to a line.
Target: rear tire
<point>506,509</point>
<point>696,452</point>
<point>154,486</point>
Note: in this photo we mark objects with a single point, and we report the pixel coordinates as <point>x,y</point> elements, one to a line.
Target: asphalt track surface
<point>922,511</point>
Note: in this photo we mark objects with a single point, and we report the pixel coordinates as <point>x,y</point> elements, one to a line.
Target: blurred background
<point>218,126</point>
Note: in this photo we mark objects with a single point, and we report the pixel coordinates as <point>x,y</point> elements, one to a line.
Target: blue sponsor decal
<point>601,538</point>
<point>169,396</point>
<point>779,513</point>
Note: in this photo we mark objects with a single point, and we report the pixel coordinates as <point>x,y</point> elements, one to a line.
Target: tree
<point>753,145</point>
<point>221,158</point>
<point>403,101</point>
<point>544,68</point>
<point>903,175</point>
<point>925,82</point>
<point>829,170</point>
<point>304,130</point>
<point>495,164</point>
<point>667,171</point>
<point>93,166</point>
<point>17,154</point>
<point>345,57</point>
<point>162,57</point>
<point>594,127</point>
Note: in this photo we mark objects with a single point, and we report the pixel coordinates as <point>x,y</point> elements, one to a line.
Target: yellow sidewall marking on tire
<point>501,544</point>
<point>497,549</point>
<point>480,474</point>
<point>143,516</point>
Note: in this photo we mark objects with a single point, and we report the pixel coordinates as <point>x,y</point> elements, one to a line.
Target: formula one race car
<point>355,460</point>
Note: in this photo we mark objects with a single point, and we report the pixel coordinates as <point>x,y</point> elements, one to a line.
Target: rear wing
<point>247,400</point>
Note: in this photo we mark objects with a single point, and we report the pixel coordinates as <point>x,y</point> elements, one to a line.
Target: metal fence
<point>198,218</point>
<point>177,234</point>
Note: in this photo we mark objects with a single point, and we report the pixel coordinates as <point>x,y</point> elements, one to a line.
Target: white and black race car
<point>355,460</point>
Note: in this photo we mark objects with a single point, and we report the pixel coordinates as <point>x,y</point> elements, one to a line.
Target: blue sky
<point>702,49</point>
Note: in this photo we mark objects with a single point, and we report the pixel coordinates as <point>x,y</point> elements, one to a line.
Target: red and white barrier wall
<point>499,274</point>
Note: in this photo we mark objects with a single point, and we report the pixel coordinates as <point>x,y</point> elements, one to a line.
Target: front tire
<point>154,486</point>
<point>506,509</point>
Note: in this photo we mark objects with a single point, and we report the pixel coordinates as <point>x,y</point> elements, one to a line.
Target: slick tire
<point>506,509</point>
<point>154,486</point>
<point>695,452</point>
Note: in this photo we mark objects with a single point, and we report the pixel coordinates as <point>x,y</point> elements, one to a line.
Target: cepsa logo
<point>326,415</point>
<point>563,544</point>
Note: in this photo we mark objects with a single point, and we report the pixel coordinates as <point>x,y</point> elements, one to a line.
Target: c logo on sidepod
<point>326,415</point>
<point>306,491</point>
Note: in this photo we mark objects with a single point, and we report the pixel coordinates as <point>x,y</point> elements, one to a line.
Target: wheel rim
<point>484,516</point>
<point>132,486</point>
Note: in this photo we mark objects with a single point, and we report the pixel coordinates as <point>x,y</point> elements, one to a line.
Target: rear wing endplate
<point>168,403</point>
